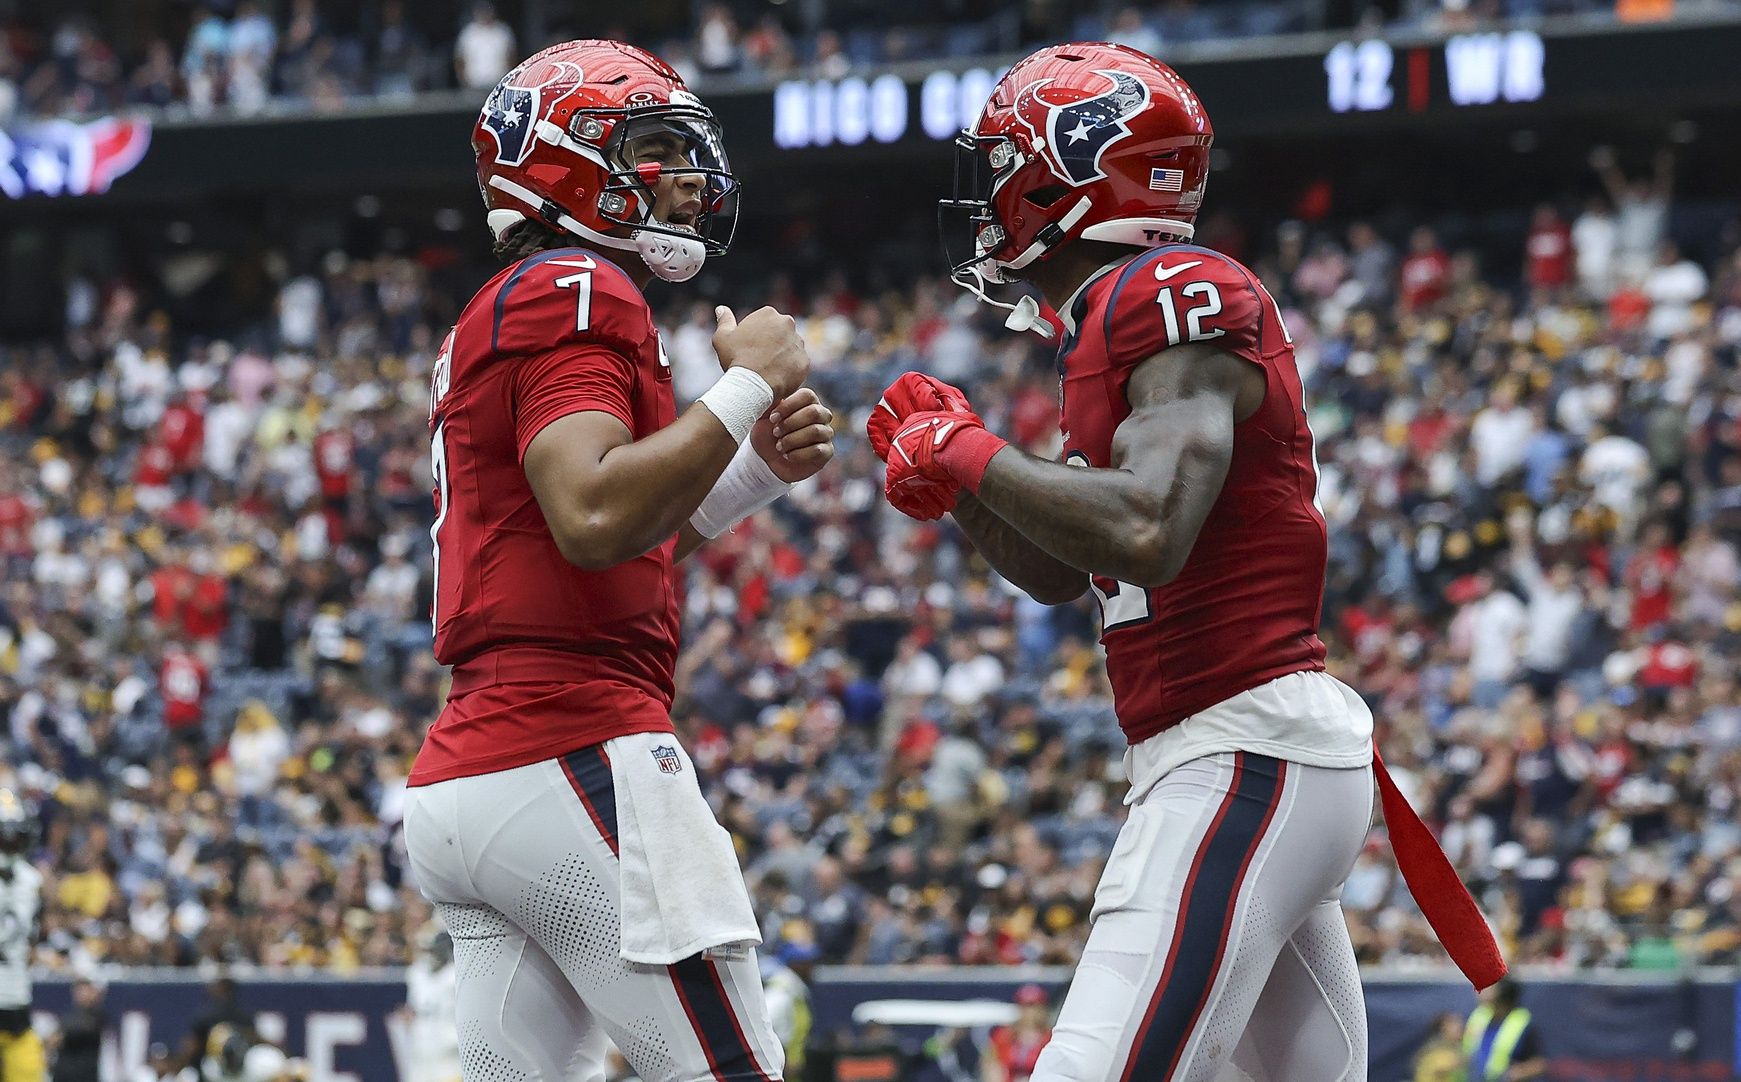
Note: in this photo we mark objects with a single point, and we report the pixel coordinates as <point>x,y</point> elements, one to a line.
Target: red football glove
<point>916,497</point>
<point>937,449</point>
<point>913,393</point>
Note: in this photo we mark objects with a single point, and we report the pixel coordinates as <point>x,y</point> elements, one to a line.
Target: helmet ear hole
<point>1045,197</point>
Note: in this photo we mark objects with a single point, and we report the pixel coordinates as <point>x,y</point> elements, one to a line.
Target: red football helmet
<point>1090,140</point>
<point>578,135</point>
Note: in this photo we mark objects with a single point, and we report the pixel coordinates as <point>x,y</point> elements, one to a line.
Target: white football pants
<point>522,867</point>
<point>1218,934</point>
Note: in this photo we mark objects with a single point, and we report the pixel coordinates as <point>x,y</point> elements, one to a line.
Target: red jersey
<point>17,519</point>
<point>1550,253</point>
<point>181,432</point>
<point>333,455</point>
<point>1018,1055</point>
<point>183,681</point>
<point>1244,609</point>
<point>1424,275</point>
<point>156,466</point>
<point>546,657</point>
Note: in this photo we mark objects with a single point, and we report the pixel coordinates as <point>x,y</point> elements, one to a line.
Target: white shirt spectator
<point>1673,288</point>
<point>1498,624</point>
<point>299,312</point>
<point>392,587</point>
<point>228,425</point>
<point>257,750</point>
<point>1552,612</point>
<point>1639,222</point>
<point>716,44</point>
<point>919,676</point>
<point>956,765</point>
<point>1687,362</point>
<point>146,381</point>
<point>1593,236</point>
<point>1500,435</point>
<point>483,52</point>
<point>1616,469</point>
<point>1580,407</point>
<point>312,537</point>
<point>967,683</point>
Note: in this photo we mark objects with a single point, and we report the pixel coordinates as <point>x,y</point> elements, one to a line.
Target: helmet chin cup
<point>672,258</point>
<point>1025,316</point>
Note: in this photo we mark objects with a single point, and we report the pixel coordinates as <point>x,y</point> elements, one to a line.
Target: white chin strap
<point>672,258</point>
<point>1024,315</point>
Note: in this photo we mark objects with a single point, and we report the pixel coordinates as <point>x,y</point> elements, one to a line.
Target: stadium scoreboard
<point>1373,79</point>
<point>1354,77</point>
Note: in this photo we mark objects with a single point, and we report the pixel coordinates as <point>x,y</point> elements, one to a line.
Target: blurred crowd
<point>215,661</point>
<point>246,56</point>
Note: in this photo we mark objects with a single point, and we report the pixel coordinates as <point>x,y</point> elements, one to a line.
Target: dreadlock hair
<point>529,237</point>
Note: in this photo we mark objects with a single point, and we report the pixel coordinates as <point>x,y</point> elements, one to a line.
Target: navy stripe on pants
<point>1206,916</point>
<point>589,771</point>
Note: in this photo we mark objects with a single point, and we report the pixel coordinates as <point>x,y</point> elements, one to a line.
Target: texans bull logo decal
<point>511,111</point>
<point>1077,134</point>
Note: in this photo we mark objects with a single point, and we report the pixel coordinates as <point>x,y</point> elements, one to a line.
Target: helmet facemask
<point>654,143</point>
<point>973,236</point>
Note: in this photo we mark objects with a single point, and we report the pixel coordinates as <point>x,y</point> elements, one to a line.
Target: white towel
<point>683,891</point>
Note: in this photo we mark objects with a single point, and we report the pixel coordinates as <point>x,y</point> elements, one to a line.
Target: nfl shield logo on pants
<point>667,758</point>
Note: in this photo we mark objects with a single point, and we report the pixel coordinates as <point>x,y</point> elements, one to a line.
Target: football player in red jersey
<point>553,817</point>
<point>1186,500</point>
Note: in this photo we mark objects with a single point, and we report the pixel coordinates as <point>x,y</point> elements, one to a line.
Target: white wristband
<point>739,400</point>
<point>746,486</point>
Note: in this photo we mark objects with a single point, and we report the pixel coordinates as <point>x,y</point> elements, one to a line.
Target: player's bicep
<point>1178,438</point>
<point>563,463</point>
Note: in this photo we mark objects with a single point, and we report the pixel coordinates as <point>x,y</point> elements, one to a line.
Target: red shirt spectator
<point>1550,256</point>
<point>205,612</point>
<point>1015,1050</point>
<point>156,466</point>
<point>334,459</point>
<point>1425,272</point>
<point>189,603</point>
<point>181,432</point>
<point>1650,577</point>
<point>1669,665</point>
<point>1627,308</point>
<point>171,586</point>
<point>17,517</point>
<point>183,682</point>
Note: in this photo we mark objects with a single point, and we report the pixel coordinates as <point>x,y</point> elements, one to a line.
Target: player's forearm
<point>1043,577</point>
<point>688,540</point>
<point>1101,521</point>
<point>646,491</point>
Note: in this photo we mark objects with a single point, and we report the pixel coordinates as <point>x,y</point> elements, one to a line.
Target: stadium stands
<point>216,666</point>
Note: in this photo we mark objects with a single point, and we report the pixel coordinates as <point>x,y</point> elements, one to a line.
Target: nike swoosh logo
<point>585,262</point>
<point>1163,273</point>
<point>942,433</point>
